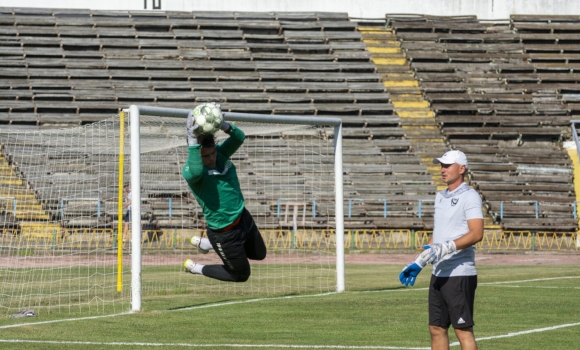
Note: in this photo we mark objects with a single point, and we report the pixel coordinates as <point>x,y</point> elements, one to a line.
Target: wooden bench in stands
<point>535,225</point>
<point>504,131</point>
<point>398,223</point>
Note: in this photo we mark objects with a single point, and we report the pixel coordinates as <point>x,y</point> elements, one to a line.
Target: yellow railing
<point>286,239</point>
<point>526,240</point>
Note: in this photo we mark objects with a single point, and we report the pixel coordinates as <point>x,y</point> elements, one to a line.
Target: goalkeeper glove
<point>409,274</point>
<point>435,252</point>
<point>192,130</point>
<point>431,255</point>
<point>225,127</point>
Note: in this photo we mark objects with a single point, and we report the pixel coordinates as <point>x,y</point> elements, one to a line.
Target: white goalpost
<point>65,246</point>
<point>136,112</point>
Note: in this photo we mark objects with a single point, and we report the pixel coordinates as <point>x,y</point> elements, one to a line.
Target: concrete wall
<point>484,9</point>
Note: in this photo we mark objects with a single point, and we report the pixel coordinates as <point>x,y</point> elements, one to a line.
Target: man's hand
<point>435,252</point>
<point>409,274</point>
<point>192,130</point>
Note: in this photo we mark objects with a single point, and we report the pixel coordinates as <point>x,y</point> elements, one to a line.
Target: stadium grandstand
<point>406,87</point>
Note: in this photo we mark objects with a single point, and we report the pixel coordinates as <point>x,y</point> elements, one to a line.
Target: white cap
<point>451,157</point>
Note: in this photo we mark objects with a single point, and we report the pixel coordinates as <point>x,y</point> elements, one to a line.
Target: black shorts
<point>127,216</point>
<point>451,301</point>
<point>235,247</point>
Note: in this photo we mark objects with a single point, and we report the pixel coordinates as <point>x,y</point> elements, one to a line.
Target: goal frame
<point>135,111</point>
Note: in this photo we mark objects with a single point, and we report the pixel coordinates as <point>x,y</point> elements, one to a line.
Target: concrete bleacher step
<point>387,74</point>
<point>5,169</point>
<point>419,121</point>
<point>388,50</point>
<point>422,131</point>
<point>26,197</point>
<point>401,86</point>
<point>40,230</point>
<point>410,97</point>
<point>410,105</point>
<point>11,180</point>
<point>32,215</point>
<point>416,114</point>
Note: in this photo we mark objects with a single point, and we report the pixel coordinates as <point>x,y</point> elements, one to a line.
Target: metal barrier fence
<point>402,239</point>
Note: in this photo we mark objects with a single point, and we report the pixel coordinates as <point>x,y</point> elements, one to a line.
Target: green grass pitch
<point>517,307</point>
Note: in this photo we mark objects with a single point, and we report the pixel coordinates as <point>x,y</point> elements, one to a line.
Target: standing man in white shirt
<point>458,226</point>
<point>127,216</point>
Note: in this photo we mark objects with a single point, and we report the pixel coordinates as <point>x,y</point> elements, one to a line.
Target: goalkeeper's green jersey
<point>217,190</point>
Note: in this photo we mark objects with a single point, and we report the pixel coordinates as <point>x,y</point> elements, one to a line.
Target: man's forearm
<point>473,236</point>
<point>193,169</point>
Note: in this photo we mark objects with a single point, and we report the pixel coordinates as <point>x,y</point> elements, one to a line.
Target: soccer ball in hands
<point>209,117</point>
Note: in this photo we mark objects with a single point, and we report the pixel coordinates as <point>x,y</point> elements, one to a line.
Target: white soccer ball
<point>209,117</point>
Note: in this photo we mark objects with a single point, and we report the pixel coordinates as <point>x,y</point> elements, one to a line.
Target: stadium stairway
<point>417,119</point>
<point>573,153</point>
<point>20,209</point>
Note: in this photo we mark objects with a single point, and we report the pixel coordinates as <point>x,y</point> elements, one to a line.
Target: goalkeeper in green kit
<point>211,176</point>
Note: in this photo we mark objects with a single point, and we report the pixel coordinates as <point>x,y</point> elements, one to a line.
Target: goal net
<point>62,203</point>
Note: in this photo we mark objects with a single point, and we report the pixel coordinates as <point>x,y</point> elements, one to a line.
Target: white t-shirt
<point>452,210</point>
<point>129,200</point>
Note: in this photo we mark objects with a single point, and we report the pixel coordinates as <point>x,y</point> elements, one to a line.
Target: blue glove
<point>435,252</point>
<point>409,274</point>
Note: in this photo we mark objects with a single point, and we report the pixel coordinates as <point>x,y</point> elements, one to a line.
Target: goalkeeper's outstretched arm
<point>233,143</point>
<point>193,168</point>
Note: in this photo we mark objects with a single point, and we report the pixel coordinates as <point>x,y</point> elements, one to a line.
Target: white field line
<point>273,346</point>
<point>412,289</point>
<point>63,320</point>
<point>533,287</point>
<point>251,301</point>
<point>526,281</point>
<point>188,308</point>
<point>515,334</point>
